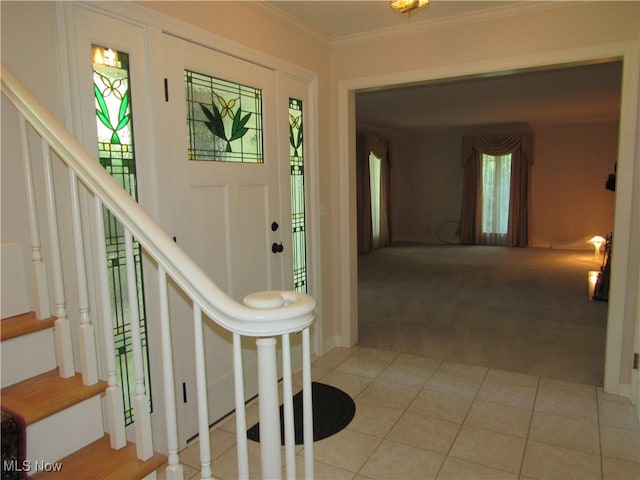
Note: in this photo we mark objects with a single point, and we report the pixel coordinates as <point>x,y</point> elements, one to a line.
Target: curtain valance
<point>377,145</point>
<point>498,145</point>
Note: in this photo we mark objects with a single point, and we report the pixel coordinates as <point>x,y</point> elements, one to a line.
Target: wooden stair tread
<point>18,325</point>
<point>38,397</point>
<point>99,461</point>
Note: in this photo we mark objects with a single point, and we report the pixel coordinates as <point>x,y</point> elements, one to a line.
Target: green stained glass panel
<point>224,120</point>
<point>296,157</point>
<point>117,155</point>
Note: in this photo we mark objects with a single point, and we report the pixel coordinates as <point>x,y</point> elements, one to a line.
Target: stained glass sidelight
<point>296,154</point>
<point>117,156</point>
<point>224,120</point>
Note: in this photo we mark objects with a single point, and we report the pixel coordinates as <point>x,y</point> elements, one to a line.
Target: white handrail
<point>295,311</point>
<point>265,315</point>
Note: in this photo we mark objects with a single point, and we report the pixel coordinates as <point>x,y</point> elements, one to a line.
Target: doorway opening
<point>452,221</point>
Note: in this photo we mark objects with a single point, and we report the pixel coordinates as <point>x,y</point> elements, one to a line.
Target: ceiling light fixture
<point>406,6</point>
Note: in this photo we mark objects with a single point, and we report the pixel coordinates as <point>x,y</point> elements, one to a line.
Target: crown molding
<point>288,21</point>
<point>493,13</point>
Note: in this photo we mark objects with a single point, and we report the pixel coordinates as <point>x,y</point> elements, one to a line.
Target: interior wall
<point>29,29</point>
<point>569,203</point>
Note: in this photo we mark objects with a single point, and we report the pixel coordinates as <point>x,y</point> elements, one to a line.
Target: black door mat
<point>333,410</point>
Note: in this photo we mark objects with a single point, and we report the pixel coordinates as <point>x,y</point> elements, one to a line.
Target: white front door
<point>222,173</point>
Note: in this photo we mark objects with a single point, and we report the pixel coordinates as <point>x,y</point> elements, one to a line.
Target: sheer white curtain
<point>375,186</point>
<point>496,194</point>
<point>372,174</point>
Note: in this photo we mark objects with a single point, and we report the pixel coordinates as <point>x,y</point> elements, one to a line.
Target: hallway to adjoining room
<point>518,309</point>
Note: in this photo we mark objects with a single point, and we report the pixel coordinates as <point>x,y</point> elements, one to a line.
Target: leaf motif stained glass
<point>111,88</point>
<point>298,221</point>
<point>224,120</point>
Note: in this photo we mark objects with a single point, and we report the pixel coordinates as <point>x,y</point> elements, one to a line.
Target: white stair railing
<point>263,315</point>
<point>43,309</point>
<point>64,351</point>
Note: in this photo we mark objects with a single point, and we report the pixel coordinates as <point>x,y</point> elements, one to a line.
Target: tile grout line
<point>475,397</point>
<point>599,433</point>
<point>527,439</point>
<point>386,434</point>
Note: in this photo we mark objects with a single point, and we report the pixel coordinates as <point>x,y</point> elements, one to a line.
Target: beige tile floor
<point>421,418</point>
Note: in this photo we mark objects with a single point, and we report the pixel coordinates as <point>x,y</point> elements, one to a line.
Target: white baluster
<point>201,388</point>
<point>87,338</point>
<point>144,440</point>
<point>241,417</point>
<point>307,405</point>
<point>269,409</point>
<point>64,346</point>
<point>174,469</point>
<point>43,308</point>
<point>287,393</point>
<point>114,403</point>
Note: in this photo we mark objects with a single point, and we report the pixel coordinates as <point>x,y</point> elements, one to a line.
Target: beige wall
<point>29,50</point>
<point>569,203</point>
<point>548,27</point>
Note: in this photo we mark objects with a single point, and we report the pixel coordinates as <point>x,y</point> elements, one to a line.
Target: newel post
<point>269,409</point>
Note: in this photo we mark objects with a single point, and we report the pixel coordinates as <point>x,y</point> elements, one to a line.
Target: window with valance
<point>502,156</point>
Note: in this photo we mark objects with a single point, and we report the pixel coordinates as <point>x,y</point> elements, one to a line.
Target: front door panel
<point>222,206</point>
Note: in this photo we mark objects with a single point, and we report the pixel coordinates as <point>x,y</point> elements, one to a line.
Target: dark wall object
<point>611,180</point>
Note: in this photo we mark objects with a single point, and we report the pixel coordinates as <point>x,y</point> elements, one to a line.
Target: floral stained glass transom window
<point>224,120</point>
<point>111,87</point>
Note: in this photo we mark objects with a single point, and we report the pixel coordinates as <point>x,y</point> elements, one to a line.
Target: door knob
<point>274,226</point>
<point>277,247</point>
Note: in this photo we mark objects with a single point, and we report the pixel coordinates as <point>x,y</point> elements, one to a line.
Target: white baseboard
<point>624,389</point>
<point>330,343</point>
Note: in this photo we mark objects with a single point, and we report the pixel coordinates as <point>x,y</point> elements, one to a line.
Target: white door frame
<point>628,52</point>
<point>75,69</point>
<point>154,24</point>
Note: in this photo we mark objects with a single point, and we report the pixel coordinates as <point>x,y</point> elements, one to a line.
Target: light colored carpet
<point>517,309</point>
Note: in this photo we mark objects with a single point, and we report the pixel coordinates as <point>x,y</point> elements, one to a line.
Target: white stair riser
<point>27,356</point>
<point>63,433</point>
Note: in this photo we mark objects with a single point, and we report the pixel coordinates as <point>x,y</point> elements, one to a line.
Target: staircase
<point>63,416</point>
<point>64,383</point>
